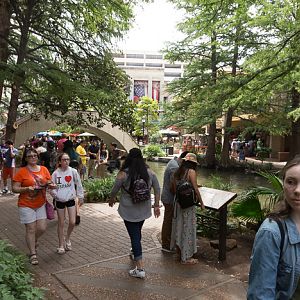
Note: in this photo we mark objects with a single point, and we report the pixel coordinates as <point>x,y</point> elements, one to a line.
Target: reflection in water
<point>238,179</point>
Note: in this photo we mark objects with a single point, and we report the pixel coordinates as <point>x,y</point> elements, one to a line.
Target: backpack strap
<point>282,233</point>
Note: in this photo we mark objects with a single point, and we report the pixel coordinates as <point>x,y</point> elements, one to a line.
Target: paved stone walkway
<point>97,268</point>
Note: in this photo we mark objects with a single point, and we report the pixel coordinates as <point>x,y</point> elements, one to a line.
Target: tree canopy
<point>60,60</point>
<point>242,57</point>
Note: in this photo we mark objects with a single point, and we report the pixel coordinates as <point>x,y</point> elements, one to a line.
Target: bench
<point>218,200</point>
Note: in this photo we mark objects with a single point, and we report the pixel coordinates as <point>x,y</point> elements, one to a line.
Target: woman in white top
<point>68,188</point>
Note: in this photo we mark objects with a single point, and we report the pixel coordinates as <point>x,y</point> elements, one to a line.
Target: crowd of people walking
<point>59,168</point>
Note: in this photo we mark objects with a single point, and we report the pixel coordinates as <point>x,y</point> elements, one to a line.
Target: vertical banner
<point>155,90</point>
<point>140,89</point>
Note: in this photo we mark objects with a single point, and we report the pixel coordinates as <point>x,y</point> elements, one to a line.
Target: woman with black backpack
<point>135,181</point>
<point>185,188</point>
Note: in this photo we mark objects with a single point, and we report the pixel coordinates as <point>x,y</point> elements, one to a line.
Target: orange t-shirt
<point>37,198</point>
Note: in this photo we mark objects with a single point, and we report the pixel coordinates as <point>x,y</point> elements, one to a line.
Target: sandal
<point>33,259</point>
<point>68,246</point>
<point>61,250</point>
<point>191,261</point>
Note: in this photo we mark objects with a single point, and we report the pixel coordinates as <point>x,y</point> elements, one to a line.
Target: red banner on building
<point>155,90</point>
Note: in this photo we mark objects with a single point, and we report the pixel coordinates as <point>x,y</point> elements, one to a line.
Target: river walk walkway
<point>97,268</point>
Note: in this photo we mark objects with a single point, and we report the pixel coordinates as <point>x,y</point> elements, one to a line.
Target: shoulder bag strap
<point>282,233</point>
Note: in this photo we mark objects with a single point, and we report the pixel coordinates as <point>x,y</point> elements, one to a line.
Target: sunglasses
<point>32,156</point>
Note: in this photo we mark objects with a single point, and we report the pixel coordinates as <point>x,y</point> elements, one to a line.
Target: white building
<point>149,73</point>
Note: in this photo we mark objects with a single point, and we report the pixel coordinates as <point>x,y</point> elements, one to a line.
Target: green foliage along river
<point>238,179</point>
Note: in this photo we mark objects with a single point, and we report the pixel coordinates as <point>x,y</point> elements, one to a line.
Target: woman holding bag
<point>31,182</point>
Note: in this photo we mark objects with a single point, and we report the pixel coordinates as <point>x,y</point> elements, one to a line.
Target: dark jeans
<point>134,230</point>
<point>167,226</point>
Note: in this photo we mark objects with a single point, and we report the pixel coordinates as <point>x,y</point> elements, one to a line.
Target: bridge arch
<point>27,127</point>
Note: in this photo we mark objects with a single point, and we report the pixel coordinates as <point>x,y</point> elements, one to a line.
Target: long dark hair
<point>184,166</point>
<point>135,166</point>
<point>282,209</point>
<point>24,162</point>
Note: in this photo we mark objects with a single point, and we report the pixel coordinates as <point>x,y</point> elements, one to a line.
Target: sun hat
<point>191,157</point>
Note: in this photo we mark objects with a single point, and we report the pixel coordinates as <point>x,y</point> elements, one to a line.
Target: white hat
<point>191,157</point>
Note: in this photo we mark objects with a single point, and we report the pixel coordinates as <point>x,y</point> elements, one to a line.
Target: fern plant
<point>254,204</point>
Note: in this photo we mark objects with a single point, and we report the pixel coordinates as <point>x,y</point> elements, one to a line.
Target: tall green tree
<point>146,117</point>
<point>217,39</point>
<point>5,15</point>
<point>272,75</point>
<point>60,61</point>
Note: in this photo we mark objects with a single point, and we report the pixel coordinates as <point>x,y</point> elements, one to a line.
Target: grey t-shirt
<point>129,211</point>
<point>166,196</point>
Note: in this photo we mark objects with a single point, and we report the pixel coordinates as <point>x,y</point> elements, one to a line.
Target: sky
<point>155,24</point>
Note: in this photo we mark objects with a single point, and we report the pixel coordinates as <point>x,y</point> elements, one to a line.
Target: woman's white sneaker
<point>138,273</point>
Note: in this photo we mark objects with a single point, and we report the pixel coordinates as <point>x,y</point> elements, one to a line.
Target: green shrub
<point>153,151</point>
<point>263,153</point>
<point>98,189</point>
<point>217,182</point>
<point>15,280</point>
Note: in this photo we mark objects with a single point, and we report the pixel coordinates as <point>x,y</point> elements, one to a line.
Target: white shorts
<point>29,215</point>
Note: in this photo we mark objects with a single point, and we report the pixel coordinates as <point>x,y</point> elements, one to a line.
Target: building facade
<point>149,72</point>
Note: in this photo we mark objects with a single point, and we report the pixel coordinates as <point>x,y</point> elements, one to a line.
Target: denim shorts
<point>29,215</point>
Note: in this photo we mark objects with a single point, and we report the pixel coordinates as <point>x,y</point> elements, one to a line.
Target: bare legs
<point>60,224</point>
<point>33,231</point>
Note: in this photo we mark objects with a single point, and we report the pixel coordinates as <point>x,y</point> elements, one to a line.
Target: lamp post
<point>143,122</point>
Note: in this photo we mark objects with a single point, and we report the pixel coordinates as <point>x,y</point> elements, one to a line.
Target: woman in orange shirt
<point>30,182</point>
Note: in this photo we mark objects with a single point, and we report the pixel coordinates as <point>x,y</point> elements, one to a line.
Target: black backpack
<point>185,193</point>
<point>140,191</point>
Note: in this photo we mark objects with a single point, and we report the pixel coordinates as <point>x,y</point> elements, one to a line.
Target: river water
<point>238,179</point>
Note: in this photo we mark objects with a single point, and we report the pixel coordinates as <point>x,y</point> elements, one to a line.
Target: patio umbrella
<point>168,132</point>
<point>55,133</point>
<point>86,134</point>
<point>42,133</point>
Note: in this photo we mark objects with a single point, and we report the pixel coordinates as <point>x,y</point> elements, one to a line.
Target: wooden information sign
<point>218,200</point>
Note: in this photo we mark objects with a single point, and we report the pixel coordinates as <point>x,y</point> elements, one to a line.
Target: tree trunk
<point>225,158</point>
<point>19,75</point>
<point>5,14</point>
<point>210,156</point>
<point>295,132</point>
<point>10,133</point>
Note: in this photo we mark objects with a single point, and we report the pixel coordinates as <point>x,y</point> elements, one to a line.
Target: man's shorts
<point>29,215</point>
<point>62,205</point>
<point>8,172</point>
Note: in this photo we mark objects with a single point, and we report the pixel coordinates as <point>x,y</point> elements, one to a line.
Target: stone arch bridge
<point>27,127</point>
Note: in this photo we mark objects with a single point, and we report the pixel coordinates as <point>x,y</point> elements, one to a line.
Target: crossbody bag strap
<point>282,233</point>
<point>43,190</point>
